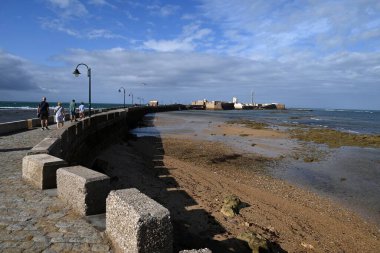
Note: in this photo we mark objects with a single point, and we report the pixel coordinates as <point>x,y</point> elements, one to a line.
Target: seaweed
<point>334,138</point>
<point>249,124</point>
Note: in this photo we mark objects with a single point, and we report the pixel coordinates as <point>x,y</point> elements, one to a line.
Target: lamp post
<point>77,73</point>
<point>139,98</point>
<point>131,95</point>
<point>124,94</point>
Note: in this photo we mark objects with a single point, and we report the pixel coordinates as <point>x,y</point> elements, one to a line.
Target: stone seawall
<point>53,163</point>
<point>26,124</point>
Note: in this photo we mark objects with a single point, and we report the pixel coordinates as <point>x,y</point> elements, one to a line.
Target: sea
<point>352,121</point>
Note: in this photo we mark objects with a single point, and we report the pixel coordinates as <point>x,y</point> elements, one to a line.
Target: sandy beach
<point>191,172</point>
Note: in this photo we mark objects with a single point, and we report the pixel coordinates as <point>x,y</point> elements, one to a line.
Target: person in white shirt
<point>59,115</point>
<point>81,110</point>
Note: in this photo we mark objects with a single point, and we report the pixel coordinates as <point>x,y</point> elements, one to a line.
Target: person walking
<point>43,113</point>
<point>72,111</point>
<point>59,115</point>
<point>81,110</point>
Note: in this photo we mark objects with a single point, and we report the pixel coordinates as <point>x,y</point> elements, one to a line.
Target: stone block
<point>30,123</point>
<point>9,127</point>
<point>205,250</point>
<point>84,189</point>
<point>41,169</point>
<point>46,146</point>
<point>110,116</point>
<point>71,133</point>
<point>79,128</point>
<point>86,123</point>
<point>137,223</point>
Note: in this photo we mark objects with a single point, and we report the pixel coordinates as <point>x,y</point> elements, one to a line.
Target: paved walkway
<point>32,220</point>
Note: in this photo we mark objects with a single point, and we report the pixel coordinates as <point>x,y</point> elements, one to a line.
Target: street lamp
<point>77,73</point>
<point>139,98</point>
<point>124,94</point>
<point>131,95</point>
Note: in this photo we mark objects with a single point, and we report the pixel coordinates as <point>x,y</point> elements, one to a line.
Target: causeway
<point>32,220</point>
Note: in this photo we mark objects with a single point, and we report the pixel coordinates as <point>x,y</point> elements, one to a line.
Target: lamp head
<point>119,90</point>
<point>76,72</point>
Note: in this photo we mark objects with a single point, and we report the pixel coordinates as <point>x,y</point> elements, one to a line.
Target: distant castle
<point>221,105</point>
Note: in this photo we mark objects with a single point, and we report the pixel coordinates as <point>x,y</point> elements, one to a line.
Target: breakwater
<point>53,163</point>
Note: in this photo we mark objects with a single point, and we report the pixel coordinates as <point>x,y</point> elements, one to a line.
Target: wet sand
<point>348,175</point>
<point>190,166</point>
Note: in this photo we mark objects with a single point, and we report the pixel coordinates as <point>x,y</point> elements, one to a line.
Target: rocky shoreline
<point>192,177</point>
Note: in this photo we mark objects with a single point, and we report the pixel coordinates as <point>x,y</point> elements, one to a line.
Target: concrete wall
<point>79,186</point>
<point>23,125</point>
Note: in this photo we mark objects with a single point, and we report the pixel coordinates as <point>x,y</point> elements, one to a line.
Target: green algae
<point>334,138</point>
<point>249,124</point>
<point>258,244</point>
<point>230,206</point>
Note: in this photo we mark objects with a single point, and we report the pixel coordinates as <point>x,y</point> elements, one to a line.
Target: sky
<point>305,53</point>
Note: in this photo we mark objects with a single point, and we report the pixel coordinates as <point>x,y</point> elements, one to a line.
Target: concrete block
<point>71,133</point>
<point>13,126</point>
<point>86,123</point>
<point>36,122</point>
<point>79,128</point>
<point>100,118</point>
<point>30,123</point>
<point>137,223</point>
<point>110,115</point>
<point>40,170</point>
<point>46,146</point>
<point>84,189</point>
<point>205,250</point>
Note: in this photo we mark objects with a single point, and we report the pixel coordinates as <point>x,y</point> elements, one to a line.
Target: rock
<point>259,244</point>
<point>230,206</point>
<point>306,245</point>
<point>205,250</point>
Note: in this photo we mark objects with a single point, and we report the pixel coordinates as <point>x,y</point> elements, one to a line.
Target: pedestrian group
<point>59,113</point>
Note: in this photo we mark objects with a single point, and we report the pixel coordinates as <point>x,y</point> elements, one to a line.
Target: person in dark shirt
<point>73,106</point>
<point>43,113</point>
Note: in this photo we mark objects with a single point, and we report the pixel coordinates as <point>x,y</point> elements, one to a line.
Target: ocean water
<point>13,111</point>
<point>353,121</point>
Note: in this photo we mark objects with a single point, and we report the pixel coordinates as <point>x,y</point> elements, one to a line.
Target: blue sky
<point>301,53</point>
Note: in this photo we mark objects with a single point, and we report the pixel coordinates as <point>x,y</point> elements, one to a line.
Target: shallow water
<point>349,175</point>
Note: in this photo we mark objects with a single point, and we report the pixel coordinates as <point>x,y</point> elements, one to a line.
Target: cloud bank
<point>182,77</point>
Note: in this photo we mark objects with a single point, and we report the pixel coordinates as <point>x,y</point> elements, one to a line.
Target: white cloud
<point>163,10</point>
<point>286,26</point>
<point>191,36</point>
<point>58,25</point>
<point>68,8</point>
<point>16,74</point>
<point>103,33</point>
<point>169,45</point>
<point>101,3</point>
<point>185,76</point>
<point>130,16</point>
<point>188,17</point>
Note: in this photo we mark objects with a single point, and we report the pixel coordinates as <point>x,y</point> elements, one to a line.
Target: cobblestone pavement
<point>32,220</point>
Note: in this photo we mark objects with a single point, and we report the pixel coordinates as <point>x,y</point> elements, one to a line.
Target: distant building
<point>240,106</point>
<point>153,103</point>
<point>273,106</point>
<point>219,105</point>
<point>199,104</point>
